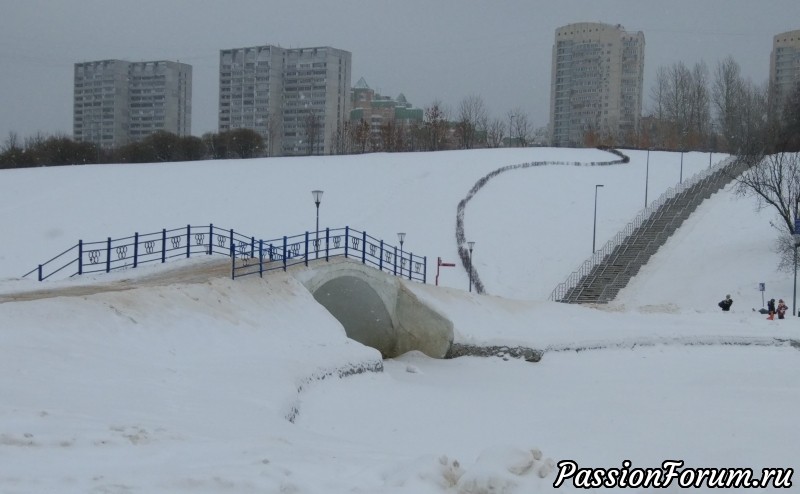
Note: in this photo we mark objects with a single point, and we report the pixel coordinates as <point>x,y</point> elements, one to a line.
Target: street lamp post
<point>401,237</point>
<point>646,178</point>
<point>317,199</point>
<point>796,239</point>
<point>594,228</point>
<point>471,246</point>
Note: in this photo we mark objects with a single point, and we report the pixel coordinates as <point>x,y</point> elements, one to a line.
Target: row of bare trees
<point>469,127</point>
<point>697,108</point>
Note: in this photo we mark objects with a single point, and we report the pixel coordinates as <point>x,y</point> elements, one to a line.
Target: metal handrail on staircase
<point>599,256</point>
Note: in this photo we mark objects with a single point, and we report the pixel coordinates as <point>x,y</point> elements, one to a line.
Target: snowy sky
<point>165,380</point>
<point>441,50</point>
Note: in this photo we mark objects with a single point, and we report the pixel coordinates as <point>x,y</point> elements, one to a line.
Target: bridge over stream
<point>356,277</point>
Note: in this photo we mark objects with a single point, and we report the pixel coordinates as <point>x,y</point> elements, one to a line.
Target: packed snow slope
<point>175,378</point>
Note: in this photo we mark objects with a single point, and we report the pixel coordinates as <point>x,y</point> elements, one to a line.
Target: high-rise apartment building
<point>784,68</point>
<point>250,92</point>
<point>295,98</point>
<point>116,102</point>
<point>596,82</point>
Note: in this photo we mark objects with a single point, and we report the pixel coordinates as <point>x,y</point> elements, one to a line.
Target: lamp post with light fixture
<point>317,199</point>
<point>594,228</point>
<point>471,246</point>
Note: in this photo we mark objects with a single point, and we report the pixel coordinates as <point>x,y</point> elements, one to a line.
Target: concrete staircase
<point>609,274</point>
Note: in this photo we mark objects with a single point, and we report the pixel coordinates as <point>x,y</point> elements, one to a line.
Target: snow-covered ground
<point>166,379</point>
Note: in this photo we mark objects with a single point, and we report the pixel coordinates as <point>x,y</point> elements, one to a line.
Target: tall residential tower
<point>295,98</point>
<point>596,82</point>
<point>116,102</point>
<point>784,68</point>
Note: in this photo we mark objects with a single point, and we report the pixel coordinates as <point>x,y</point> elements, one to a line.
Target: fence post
<point>252,247</point>
<point>395,262</point>
<point>135,249</point>
<point>210,238</point>
<point>364,247</point>
<point>40,272</point>
<point>233,253</point>
<point>284,253</point>
<point>163,245</point>
<point>380,260</point>
<point>108,255</point>
<point>424,269</point>
<point>327,238</point>
<point>260,258</point>
<point>346,239</point>
<point>80,257</point>
<point>410,256</point>
<point>188,240</point>
<point>306,254</point>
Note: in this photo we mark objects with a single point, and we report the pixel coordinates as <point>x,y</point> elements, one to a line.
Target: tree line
<point>712,110</point>
<point>41,150</point>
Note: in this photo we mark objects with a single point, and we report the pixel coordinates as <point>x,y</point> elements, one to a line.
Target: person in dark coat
<point>771,309</point>
<point>725,305</point>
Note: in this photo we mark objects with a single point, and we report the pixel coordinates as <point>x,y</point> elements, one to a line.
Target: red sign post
<point>443,264</point>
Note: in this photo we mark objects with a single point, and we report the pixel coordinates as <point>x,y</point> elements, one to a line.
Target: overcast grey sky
<point>427,49</point>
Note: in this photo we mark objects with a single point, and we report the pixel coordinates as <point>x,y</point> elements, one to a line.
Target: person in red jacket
<point>782,308</point>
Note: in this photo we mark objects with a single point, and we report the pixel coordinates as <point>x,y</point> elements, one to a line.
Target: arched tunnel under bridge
<point>376,309</point>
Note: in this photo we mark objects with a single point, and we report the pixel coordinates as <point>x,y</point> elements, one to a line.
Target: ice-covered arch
<point>376,309</point>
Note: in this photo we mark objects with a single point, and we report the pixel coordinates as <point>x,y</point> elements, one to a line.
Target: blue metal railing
<point>248,255</point>
<point>281,253</point>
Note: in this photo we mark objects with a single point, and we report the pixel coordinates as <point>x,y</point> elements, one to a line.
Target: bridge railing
<point>248,255</point>
<point>262,256</point>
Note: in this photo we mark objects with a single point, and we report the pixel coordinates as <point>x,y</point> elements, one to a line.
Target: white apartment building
<point>250,91</point>
<point>295,98</point>
<point>596,82</point>
<point>116,102</point>
<point>784,68</point>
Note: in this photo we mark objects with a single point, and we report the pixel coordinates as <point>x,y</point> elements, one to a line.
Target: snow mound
<point>497,470</point>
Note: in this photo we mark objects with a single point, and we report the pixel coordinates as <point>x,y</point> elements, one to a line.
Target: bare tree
<point>681,109</point>
<point>472,121</point>
<point>677,102</point>
<point>752,130</point>
<point>726,96</point>
<point>520,129</point>
<point>495,133</point>
<point>788,137</point>
<point>11,152</point>
<point>360,134</point>
<point>436,125</point>
<point>312,125</point>
<point>539,135</point>
<point>658,93</point>
<point>273,131</point>
<point>774,180</point>
<point>392,137</point>
<point>699,106</point>
<point>658,127</point>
